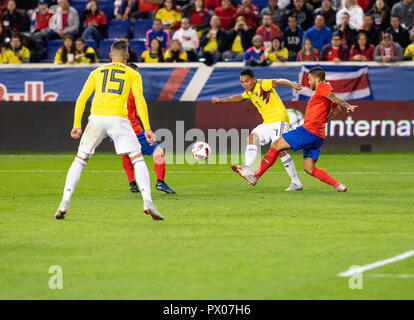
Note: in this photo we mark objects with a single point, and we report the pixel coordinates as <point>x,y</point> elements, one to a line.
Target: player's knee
<point>83,156</point>
<point>134,155</point>
<point>252,138</point>
<point>158,152</point>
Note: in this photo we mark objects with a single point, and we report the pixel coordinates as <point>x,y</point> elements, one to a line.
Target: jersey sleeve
<point>267,85</point>
<point>324,90</point>
<point>141,104</point>
<point>87,90</point>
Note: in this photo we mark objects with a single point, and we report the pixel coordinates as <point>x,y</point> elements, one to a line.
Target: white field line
<point>208,172</point>
<point>390,275</point>
<point>377,264</point>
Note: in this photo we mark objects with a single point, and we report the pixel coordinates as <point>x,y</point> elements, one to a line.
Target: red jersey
<point>99,19</point>
<point>132,114</point>
<point>333,53</point>
<point>318,109</point>
<point>197,17</point>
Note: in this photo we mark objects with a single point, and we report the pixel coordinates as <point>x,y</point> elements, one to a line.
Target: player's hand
<point>215,100</point>
<point>76,133</point>
<point>296,86</point>
<point>151,138</point>
<point>351,108</point>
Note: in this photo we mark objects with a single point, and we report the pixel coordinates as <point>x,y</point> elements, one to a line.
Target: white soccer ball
<point>201,150</point>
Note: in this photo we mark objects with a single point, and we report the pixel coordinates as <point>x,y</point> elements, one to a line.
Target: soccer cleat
<point>61,211</point>
<point>246,173</point>
<point>294,187</point>
<point>341,188</point>
<point>133,187</point>
<point>149,208</point>
<point>162,186</point>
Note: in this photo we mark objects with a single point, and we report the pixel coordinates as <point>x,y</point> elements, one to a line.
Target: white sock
<point>290,168</point>
<point>250,155</point>
<point>72,178</point>
<point>142,178</point>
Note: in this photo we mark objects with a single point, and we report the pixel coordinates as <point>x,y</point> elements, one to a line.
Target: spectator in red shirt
<point>362,50</point>
<point>248,11</point>
<point>308,52</point>
<point>335,51</point>
<point>146,9</point>
<point>197,14</point>
<point>39,19</point>
<point>268,30</point>
<point>212,4</point>
<point>227,14</point>
<point>94,22</point>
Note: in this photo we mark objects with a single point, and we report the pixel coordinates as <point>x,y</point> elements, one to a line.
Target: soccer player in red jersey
<point>147,149</point>
<point>322,107</point>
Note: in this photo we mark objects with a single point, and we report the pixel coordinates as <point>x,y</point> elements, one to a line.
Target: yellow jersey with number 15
<point>267,101</point>
<point>112,83</point>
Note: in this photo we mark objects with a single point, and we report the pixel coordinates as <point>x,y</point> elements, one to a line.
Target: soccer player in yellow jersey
<point>275,120</point>
<point>112,83</point>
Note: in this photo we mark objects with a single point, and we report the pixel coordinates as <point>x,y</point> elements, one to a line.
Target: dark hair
<point>132,65</point>
<point>312,53</point>
<point>247,72</point>
<point>336,34</point>
<point>394,16</point>
<point>159,53</point>
<point>366,40</point>
<point>318,72</point>
<point>80,39</point>
<point>174,4</point>
<point>120,45</point>
<point>271,41</point>
<point>95,13</point>
<point>64,55</point>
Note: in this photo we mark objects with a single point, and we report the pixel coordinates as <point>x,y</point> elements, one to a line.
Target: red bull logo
<point>33,91</point>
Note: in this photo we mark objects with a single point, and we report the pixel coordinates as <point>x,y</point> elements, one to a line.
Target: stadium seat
<point>108,8</point>
<point>91,43</point>
<point>118,28</point>
<point>104,49</point>
<point>138,46</point>
<point>141,27</point>
<point>260,3</point>
<point>52,47</point>
<point>79,6</point>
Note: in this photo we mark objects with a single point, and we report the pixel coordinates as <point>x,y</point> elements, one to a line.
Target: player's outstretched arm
<point>285,82</point>
<point>237,98</point>
<point>333,113</point>
<point>342,103</point>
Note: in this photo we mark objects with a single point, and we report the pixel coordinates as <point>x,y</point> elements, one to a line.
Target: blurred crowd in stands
<point>257,32</point>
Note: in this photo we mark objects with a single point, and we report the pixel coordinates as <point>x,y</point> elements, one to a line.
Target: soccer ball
<point>201,150</point>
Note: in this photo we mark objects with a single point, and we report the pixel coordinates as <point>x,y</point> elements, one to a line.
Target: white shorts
<point>270,132</point>
<point>116,127</point>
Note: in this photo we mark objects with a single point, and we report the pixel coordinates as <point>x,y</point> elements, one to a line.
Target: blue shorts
<point>146,148</point>
<point>300,138</point>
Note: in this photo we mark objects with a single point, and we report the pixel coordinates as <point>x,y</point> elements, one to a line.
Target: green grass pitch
<point>221,239</point>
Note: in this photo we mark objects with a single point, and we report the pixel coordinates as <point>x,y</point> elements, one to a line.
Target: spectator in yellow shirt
<point>169,15</point>
<point>409,52</point>
<point>16,53</point>
<point>154,54</point>
<point>176,52</point>
<point>277,53</point>
<point>66,54</point>
<point>84,54</point>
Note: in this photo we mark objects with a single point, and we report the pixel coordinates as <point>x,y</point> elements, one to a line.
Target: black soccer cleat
<point>162,186</point>
<point>133,187</point>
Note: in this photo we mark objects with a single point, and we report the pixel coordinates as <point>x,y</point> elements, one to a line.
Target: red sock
<point>267,161</point>
<point>324,177</point>
<point>128,167</point>
<point>159,166</point>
